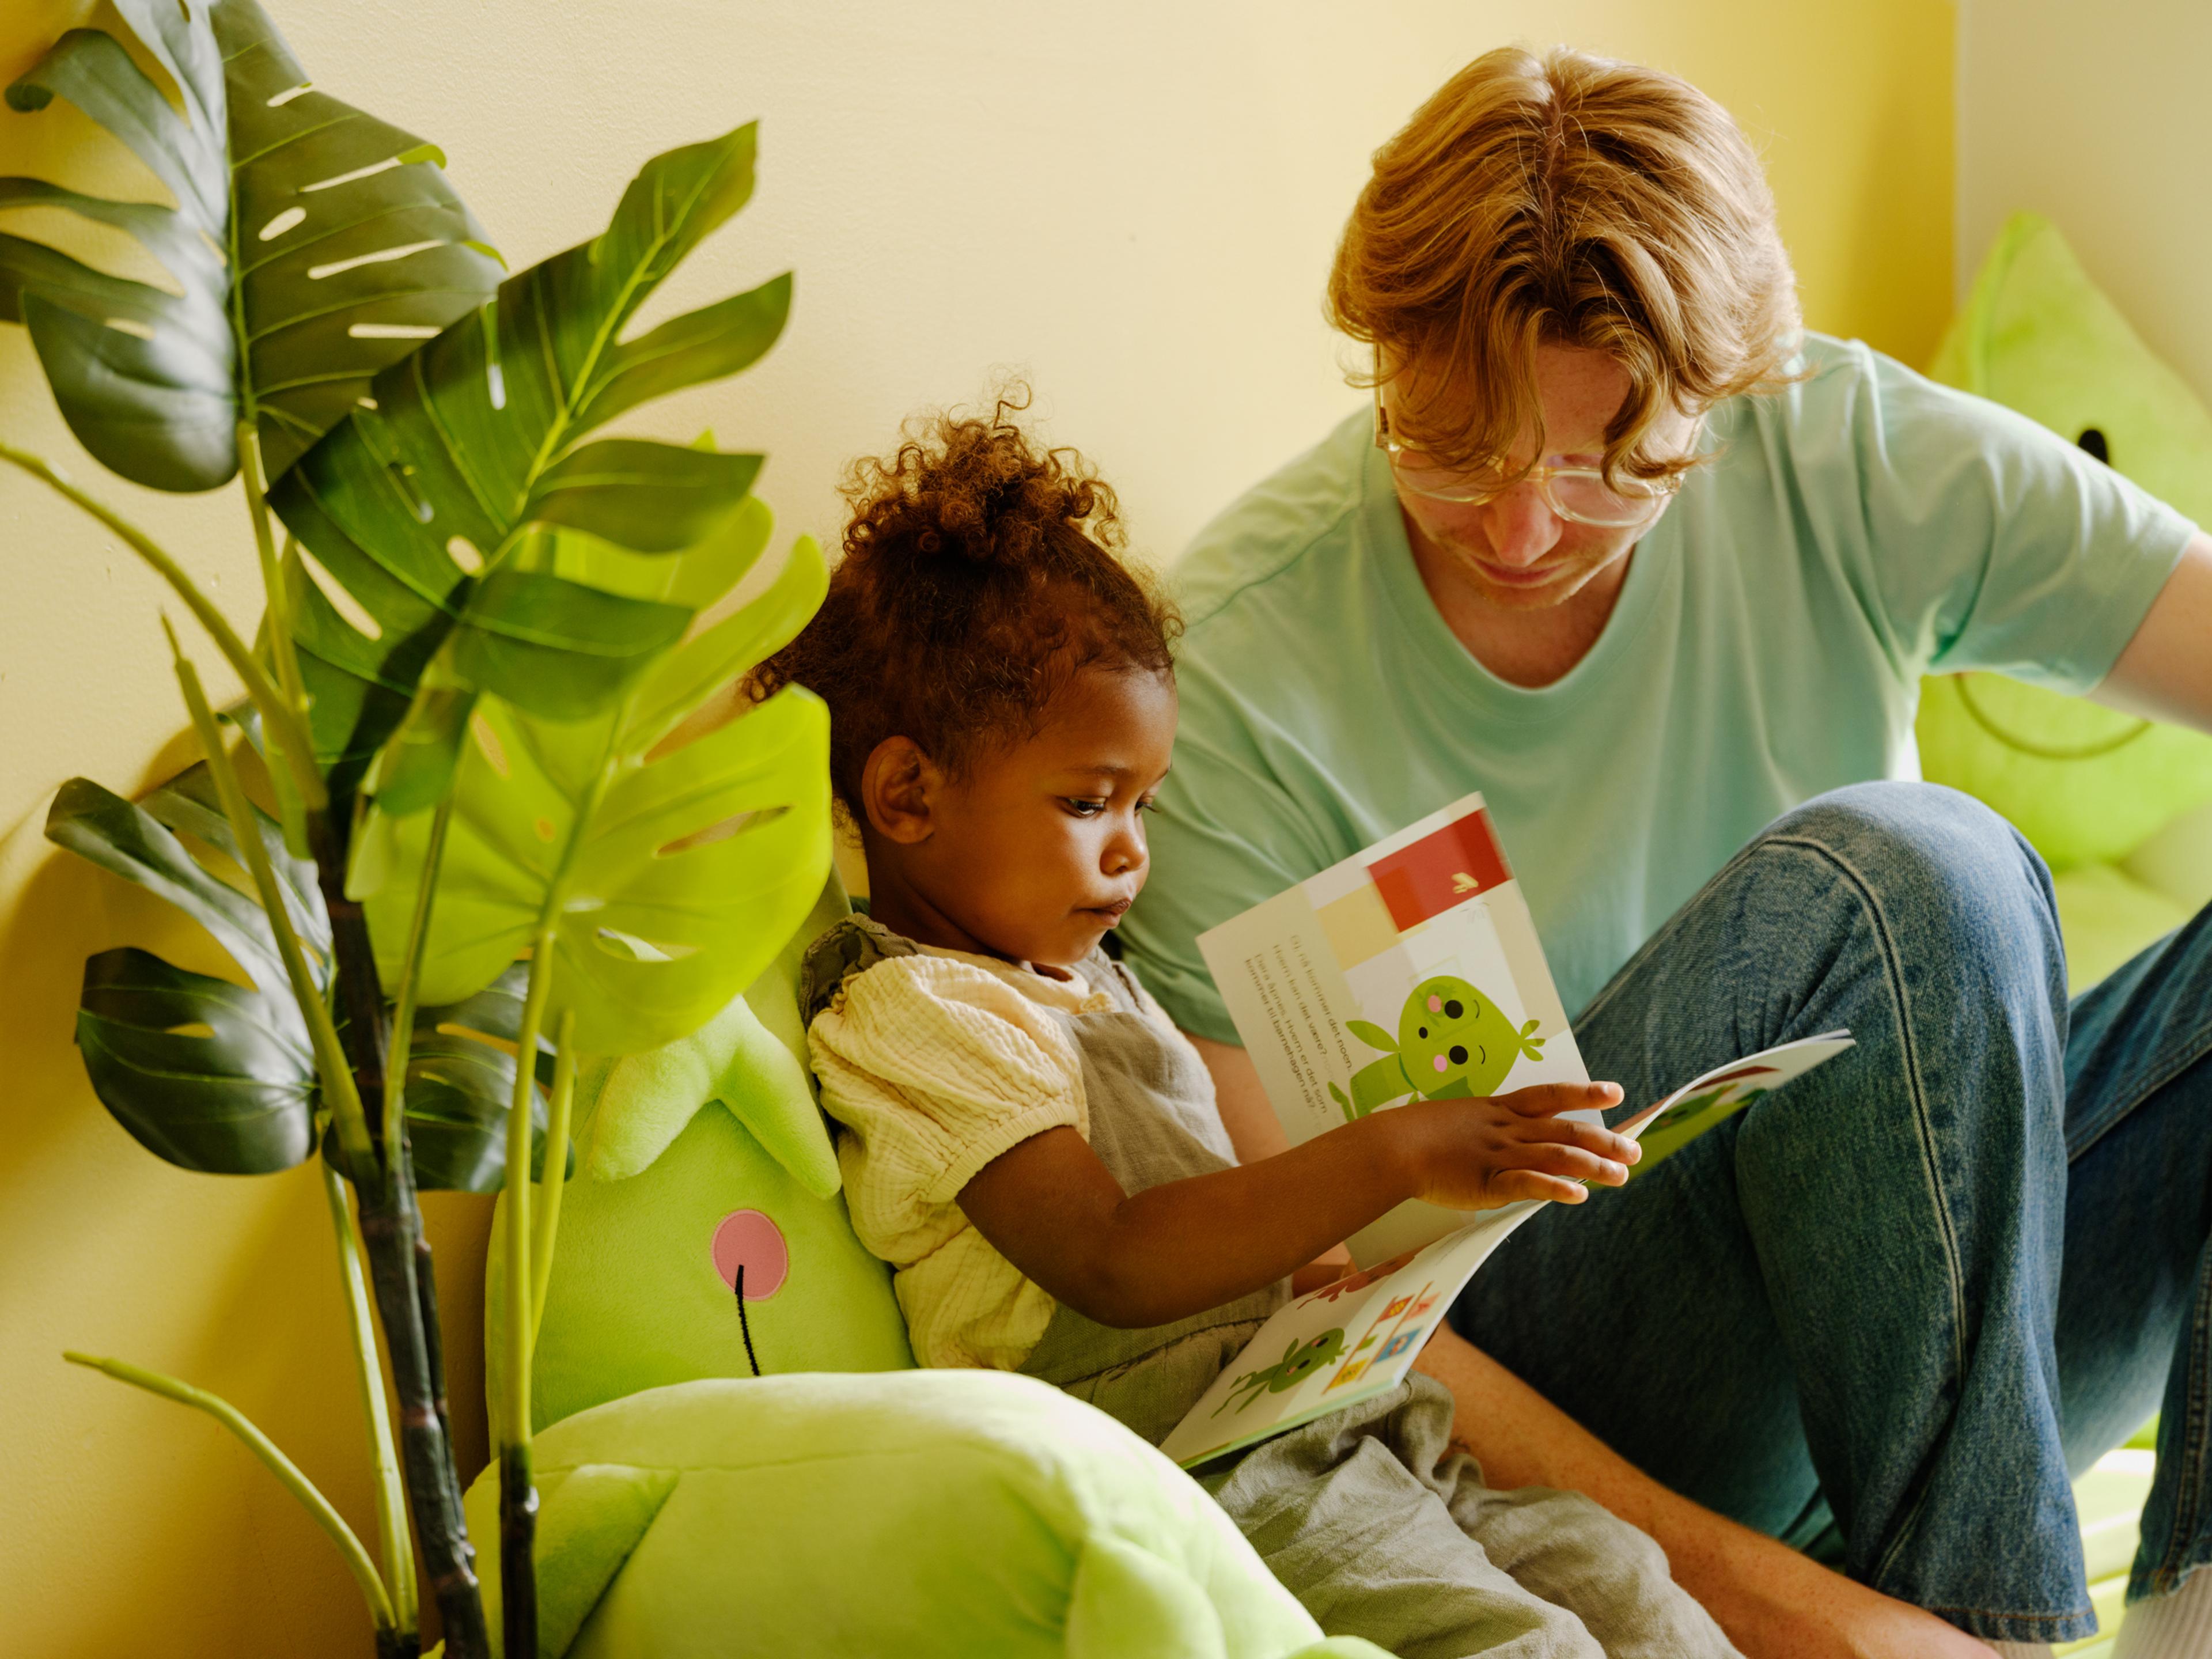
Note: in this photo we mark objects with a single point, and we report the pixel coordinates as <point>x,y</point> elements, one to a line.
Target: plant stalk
<point>339,1091</point>
<point>394,1543</point>
<point>554,1179</point>
<point>349,1547</point>
<point>391,1227</point>
<point>518,1496</point>
<point>277,616</point>
<point>391,1223</point>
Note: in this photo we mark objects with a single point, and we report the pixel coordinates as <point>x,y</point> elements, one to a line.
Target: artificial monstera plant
<point>500,827</point>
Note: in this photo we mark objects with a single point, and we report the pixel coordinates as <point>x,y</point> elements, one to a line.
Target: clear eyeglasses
<point>1579,494</point>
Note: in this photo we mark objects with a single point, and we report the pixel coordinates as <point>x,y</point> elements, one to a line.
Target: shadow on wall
<point>229,1282</point>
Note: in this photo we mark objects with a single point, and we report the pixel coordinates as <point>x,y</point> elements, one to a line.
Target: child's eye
<point>1083,807</point>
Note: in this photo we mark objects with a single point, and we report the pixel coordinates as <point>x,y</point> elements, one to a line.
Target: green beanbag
<point>919,1513</point>
<point>2085,784</point>
<point>701,1167</point>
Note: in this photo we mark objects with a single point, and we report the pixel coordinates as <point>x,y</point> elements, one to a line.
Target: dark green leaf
<point>459,1087</point>
<point>557,649</point>
<point>100,825</point>
<point>312,245</point>
<point>204,1074</point>
<point>466,437</point>
<point>655,498</point>
<point>700,345</point>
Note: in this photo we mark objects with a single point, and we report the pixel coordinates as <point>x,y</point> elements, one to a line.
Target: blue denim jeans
<point>1886,1313</point>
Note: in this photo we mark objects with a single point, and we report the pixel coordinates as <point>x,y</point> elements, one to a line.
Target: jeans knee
<point>1954,877</point>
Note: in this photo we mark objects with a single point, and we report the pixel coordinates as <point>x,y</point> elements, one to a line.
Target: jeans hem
<point>2052,1627</point>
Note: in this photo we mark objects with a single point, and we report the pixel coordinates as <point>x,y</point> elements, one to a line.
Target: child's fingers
<point>1543,1099</point>
<point>1569,1163</point>
<point>1512,1186</point>
<point>1573,1132</point>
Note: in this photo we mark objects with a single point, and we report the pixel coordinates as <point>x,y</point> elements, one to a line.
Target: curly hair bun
<point>976,489</point>
<point>979,574</point>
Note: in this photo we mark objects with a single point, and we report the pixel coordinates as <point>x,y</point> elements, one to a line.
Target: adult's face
<point>1513,550</point>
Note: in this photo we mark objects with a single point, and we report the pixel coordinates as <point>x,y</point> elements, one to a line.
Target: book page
<point>1410,970</point>
<point>1358,1337</point>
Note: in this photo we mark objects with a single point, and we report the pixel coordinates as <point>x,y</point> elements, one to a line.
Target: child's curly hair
<point>979,575</point>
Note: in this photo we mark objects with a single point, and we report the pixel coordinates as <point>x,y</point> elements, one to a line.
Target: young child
<point>1033,1146</point>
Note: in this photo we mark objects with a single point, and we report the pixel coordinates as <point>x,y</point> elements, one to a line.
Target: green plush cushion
<point>670,1146</point>
<point>2085,784</point>
<point>916,1513</point>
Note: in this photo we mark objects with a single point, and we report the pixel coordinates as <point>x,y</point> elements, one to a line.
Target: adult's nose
<point>1521,527</point>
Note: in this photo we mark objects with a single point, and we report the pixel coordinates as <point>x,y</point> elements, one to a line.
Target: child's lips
<point>1112,912</point>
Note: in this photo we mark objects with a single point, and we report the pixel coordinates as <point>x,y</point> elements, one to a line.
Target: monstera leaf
<point>310,245</point>
<point>415,509</point>
<point>666,877</point>
<point>217,1077</point>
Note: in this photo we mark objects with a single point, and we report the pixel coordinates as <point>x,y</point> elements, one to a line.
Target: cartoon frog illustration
<point>1298,1362</point>
<point>1453,1042</point>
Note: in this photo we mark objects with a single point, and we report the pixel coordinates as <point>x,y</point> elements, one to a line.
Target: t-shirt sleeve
<point>1226,837</point>
<point>1975,538</point>
<point>936,1067</point>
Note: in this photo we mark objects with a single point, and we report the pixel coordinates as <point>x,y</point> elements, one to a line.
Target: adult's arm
<point>2165,671</point>
<point>1772,1602</point>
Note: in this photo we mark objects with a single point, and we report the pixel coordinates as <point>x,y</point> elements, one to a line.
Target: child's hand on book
<point>1484,1154</point>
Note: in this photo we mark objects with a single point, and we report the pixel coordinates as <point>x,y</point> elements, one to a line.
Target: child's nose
<point>1125,852</point>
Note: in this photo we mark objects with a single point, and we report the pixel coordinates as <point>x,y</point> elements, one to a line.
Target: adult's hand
<point>1772,1602</point>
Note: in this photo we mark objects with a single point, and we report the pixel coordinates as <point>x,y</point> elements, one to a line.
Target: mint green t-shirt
<point>1859,530</point>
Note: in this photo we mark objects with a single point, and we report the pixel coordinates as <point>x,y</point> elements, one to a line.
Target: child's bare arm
<point>1055,1211</point>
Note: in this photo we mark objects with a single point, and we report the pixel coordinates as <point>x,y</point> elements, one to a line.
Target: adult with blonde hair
<point>1622,546</point>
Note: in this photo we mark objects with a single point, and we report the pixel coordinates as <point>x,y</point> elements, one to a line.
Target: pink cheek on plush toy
<point>748,1239</point>
<point>1436,1005</point>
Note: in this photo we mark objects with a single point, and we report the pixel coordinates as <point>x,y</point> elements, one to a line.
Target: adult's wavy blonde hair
<point>1565,199</point>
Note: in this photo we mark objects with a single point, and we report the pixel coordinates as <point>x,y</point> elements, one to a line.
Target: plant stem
<point>394,1542</point>
<point>349,1547</point>
<point>391,1227</point>
<point>338,1079</point>
<point>278,617</point>
<point>555,1178</point>
<point>518,1497</point>
<point>403,1012</point>
<point>390,1224</point>
<point>287,731</point>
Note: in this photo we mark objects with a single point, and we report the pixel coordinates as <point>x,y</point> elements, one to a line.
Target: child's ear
<point>898,787</point>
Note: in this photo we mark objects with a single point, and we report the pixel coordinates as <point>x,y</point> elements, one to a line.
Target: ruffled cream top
<point>936,1063</point>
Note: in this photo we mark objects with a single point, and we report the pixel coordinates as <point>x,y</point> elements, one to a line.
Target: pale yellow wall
<point>2101,129</point>
<point>1136,202</point>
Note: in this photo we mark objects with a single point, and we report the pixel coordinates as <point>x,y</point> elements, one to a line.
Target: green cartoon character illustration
<point>1298,1363</point>
<point>1453,1042</point>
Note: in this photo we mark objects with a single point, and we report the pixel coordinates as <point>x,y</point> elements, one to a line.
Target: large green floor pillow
<point>703,1169</point>
<point>2086,785</point>
<point>917,1513</point>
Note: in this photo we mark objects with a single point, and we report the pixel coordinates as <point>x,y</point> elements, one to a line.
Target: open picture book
<point>1411,970</point>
